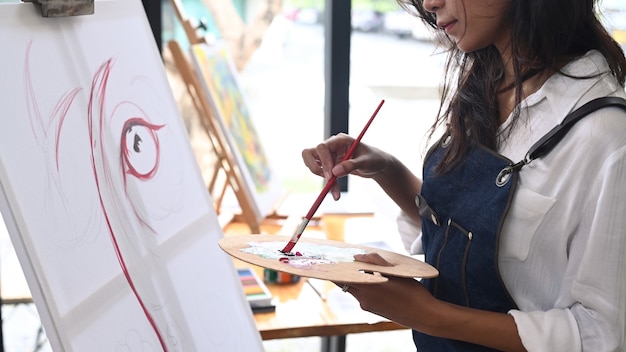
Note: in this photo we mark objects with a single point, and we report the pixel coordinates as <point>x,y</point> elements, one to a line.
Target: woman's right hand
<point>326,160</point>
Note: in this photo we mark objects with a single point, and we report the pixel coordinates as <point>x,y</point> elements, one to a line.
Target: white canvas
<point>101,193</point>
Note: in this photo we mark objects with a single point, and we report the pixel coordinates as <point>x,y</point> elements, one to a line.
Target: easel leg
<point>40,340</point>
<point>334,343</point>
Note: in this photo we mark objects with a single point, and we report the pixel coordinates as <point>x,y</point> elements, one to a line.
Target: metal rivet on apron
<point>504,176</point>
<point>434,219</point>
<point>470,235</point>
<point>425,210</point>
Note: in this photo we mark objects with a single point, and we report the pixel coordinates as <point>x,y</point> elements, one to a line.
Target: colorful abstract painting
<point>220,79</point>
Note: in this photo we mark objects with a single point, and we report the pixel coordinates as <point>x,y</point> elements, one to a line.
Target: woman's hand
<point>407,302</point>
<point>326,160</point>
<point>402,300</point>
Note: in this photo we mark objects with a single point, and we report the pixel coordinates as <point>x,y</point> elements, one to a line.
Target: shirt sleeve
<point>591,313</point>
<point>554,330</point>
<point>410,234</point>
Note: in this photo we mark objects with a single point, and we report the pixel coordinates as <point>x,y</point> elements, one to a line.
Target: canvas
<point>220,81</point>
<point>101,193</point>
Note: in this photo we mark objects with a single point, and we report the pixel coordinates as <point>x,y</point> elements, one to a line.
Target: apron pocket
<point>451,262</point>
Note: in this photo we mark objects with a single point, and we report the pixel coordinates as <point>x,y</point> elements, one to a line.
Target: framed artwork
<point>101,192</point>
<point>221,84</point>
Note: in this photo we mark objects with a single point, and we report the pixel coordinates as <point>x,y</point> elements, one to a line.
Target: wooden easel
<point>190,30</point>
<point>225,162</point>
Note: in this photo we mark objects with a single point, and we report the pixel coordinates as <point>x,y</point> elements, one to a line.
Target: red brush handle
<point>296,236</point>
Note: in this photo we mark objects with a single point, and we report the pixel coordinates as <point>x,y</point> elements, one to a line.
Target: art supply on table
<point>257,294</point>
<point>305,221</point>
<point>271,276</point>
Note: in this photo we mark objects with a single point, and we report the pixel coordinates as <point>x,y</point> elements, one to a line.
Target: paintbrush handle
<point>329,184</point>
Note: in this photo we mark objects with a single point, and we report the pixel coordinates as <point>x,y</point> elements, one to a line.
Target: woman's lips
<point>447,26</point>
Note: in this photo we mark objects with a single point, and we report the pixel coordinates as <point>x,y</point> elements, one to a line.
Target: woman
<point>529,238</point>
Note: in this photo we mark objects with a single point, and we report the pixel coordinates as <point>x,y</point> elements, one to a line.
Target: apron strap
<point>552,138</point>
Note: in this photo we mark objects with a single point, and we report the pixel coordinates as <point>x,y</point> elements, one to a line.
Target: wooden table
<point>327,312</point>
<point>305,311</point>
<point>301,312</point>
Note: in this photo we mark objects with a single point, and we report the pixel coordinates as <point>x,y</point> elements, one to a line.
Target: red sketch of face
<point>134,192</point>
<point>137,153</point>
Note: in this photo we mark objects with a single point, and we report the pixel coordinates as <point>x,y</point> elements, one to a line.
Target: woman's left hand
<point>403,300</point>
<point>407,302</point>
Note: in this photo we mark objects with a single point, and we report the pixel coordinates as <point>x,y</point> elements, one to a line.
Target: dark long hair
<point>545,34</point>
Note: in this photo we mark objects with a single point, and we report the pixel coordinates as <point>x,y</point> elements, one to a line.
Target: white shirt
<point>563,245</point>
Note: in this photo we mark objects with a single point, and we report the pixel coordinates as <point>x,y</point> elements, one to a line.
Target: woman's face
<point>474,24</point>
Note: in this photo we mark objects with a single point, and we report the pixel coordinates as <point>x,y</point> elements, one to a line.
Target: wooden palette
<point>323,259</point>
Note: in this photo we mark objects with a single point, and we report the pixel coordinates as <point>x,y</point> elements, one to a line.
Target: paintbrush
<point>305,221</point>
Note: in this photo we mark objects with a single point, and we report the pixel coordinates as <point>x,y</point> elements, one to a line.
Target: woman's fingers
<point>312,161</point>
<point>327,159</point>
<point>321,159</point>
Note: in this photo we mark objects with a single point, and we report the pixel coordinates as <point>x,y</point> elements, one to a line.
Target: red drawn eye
<point>140,148</point>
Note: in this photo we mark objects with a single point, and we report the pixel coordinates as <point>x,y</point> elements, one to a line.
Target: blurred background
<point>392,56</point>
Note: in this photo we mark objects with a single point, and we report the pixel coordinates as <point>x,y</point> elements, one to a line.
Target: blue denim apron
<point>462,213</point>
